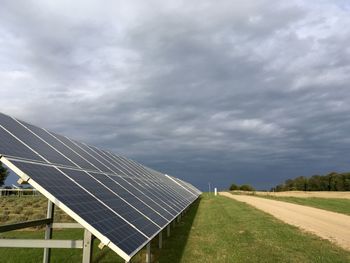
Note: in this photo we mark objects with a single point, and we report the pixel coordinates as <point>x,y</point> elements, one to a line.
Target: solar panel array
<point>120,201</point>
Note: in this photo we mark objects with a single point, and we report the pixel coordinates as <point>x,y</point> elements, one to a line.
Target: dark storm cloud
<point>250,92</point>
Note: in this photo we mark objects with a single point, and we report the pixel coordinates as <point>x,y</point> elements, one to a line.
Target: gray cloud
<point>250,92</point>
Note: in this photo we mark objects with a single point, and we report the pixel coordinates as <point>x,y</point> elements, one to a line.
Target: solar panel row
<point>118,200</point>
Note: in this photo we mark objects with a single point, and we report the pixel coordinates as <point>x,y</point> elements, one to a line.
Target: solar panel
<point>121,202</point>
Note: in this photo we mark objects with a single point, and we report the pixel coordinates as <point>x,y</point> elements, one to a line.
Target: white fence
<point>18,192</point>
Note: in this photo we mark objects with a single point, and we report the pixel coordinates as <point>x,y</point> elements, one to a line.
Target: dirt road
<point>323,194</point>
<point>329,225</point>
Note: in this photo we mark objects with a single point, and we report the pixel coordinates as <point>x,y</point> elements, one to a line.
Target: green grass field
<point>330,204</point>
<point>215,229</point>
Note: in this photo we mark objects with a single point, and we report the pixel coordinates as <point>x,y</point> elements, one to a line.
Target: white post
<point>48,231</point>
<point>148,253</point>
<point>87,247</point>
<point>216,191</point>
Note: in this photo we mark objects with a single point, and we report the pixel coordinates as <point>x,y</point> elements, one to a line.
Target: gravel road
<point>323,194</point>
<point>329,225</point>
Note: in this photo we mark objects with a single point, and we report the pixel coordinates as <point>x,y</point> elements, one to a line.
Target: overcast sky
<point>247,91</point>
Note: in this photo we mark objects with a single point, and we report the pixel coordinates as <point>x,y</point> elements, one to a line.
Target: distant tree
<point>279,188</point>
<point>3,174</point>
<point>246,187</point>
<point>301,183</point>
<point>330,182</point>
<point>332,186</point>
<point>289,185</point>
<point>315,183</point>
<point>234,187</point>
<point>346,182</point>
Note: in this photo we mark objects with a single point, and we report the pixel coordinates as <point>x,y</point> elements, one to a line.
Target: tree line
<point>243,187</point>
<point>330,182</point>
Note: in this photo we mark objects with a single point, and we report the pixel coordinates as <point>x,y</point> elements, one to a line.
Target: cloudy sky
<point>252,91</point>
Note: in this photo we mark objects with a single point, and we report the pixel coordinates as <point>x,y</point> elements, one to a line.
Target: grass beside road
<point>216,229</point>
<point>225,230</point>
<point>331,204</point>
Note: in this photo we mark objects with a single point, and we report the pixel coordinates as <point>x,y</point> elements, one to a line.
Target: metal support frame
<point>48,243</point>
<point>168,230</point>
<point>41,243</point>
<point>21,225</point>
<point>48,230</point>
<point>88,245</point>
<point>148,253</point>
<point>66,225</point>
<point>160,240</point>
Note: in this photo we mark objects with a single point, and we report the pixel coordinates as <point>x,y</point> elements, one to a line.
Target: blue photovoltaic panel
<point>149,181</point>
<point>149,185</point>
<point>112,200</point>
<point>11,147</point>
<point>85,205</point>
<point>35,143</point>
<point>116,198</point>
<point>187,186</point>
<point>57,142</point>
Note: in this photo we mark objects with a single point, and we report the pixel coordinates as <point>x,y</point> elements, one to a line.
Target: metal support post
<point>168,230</point>
<point>88,245</point>
<point>160,240</point>
<point>48,230</point>
<point>39,222</point>
<point>41,243</point>
<point>148,253</point>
